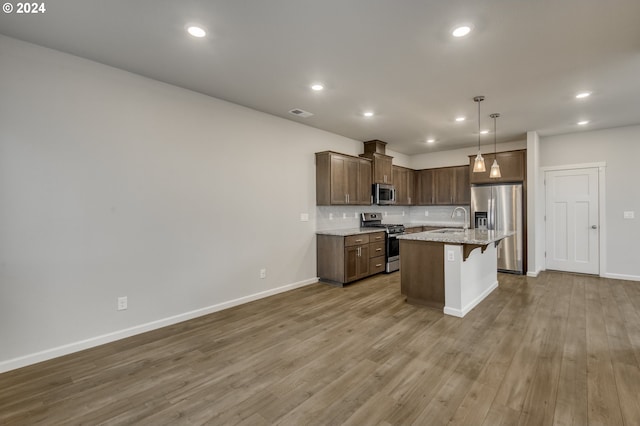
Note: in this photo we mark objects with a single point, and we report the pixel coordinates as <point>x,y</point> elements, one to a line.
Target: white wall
<point>112,185</point>
<point>620,149</point>
<point>535,207</point>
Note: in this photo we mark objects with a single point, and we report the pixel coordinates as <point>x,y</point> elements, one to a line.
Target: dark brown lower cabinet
<point>343,259</point>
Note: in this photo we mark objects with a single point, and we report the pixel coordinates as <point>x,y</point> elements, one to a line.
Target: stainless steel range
<point>392,256</point>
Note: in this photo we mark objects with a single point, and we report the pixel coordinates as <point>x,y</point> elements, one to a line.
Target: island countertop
<point>458,236</point>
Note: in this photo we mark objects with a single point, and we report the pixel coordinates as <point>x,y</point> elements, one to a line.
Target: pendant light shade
<point>478,165</point>
<point>495,168</point>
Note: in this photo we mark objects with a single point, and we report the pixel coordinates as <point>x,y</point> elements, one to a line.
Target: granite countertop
<point>349,231</point>
<point>355,231</point>
<point>442,224</point>
<point>470,236</point>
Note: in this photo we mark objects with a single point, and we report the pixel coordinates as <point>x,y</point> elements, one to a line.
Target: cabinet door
<point>400,183</point>
<point>363,261</point>
<point>339,179</point>
<point>443,184</point>
<point>382,169</point>
<point>387,169</point>
<point>356,262</point>
<point>351,263</point>
<point>462,193</point>
<point>410,183</point>
<point>352,175</point>
<point>424,187</point>
<point>363,195</point>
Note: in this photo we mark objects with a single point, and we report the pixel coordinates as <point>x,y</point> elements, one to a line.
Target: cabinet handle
<point>358,241</point>
<point>378,249</point>
<point>378,265</point>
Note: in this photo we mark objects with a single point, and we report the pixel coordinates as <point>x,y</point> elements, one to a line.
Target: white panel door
<point>572,220</point>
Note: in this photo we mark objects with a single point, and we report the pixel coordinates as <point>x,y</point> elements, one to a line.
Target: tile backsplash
<point>343,217</point>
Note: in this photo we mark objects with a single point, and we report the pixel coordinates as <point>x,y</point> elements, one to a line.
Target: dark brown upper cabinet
<point>342,179</point>
<point>443,186</point>
<point>512,167</point>
<point>404,180</point>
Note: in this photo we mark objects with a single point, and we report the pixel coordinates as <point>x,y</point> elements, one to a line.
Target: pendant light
<point>478,165</point>
<point>495,168</point>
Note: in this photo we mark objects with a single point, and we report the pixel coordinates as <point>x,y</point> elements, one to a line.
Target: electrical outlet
<point>263,273</point>
<point>344,215</point>
<point>450,255</point>
<point>630,215</point>
<point>122,303</point>
<point>402,212</point>
<point>426,213</point>
<point>355,215</point>
<point>304,217</point>
<point>330,216</point>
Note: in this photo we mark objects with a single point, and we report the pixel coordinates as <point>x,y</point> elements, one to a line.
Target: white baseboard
<point>48,354</point>
<point>621,276</point>
<point>465,310</point>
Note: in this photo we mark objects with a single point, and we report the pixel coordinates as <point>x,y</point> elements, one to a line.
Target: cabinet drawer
<point>376,237</point>
<point>354,240</point>
<point>376,264</point>
<point>376,249</point>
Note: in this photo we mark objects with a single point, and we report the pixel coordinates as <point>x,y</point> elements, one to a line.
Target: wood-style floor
<point>558,349</point>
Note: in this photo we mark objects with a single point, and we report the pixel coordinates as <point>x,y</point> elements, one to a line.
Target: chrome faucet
<point>466,219</point>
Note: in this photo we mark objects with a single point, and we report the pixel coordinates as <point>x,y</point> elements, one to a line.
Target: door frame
<point>602,212</point>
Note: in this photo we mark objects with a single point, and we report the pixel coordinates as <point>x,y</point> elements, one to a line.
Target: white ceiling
<point>527,57</point>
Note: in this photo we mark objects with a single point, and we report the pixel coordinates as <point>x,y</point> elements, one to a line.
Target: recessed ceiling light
<point>461,31</point>
<point>368,114</point>
<point>317,87</point>
<point>431,140</point>
<point>196,31</point>
<point>460,118</point>
<point>583,95</point>
<point>583,122</point>
<point>484,132</point>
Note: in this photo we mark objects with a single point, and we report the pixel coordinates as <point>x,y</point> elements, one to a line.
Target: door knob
<point>594,227</point>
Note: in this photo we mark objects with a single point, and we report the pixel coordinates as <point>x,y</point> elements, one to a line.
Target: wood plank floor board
<point>539,404</point>
<point>571,396</point>
<point>559,349</point>
<point>518,377</point>
<point>603,400</point>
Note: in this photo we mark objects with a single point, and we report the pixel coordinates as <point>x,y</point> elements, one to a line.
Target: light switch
<point>450,255</point>
<point>630,215</point>
<point>304,217</point>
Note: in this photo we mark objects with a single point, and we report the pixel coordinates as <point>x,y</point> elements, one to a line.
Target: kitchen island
<point>449,269</point>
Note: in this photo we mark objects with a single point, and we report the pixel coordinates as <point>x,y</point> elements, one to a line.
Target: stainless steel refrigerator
<point>501,206</point>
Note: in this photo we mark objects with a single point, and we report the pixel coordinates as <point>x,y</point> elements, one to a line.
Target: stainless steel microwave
<point>384,194</point>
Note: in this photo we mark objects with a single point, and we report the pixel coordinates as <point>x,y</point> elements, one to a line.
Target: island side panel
<point>330,259</point>
<point>422,272</point>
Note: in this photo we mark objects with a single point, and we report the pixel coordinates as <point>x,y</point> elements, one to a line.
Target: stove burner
<point>374,220</point>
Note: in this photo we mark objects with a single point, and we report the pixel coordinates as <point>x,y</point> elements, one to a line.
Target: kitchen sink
<point>448,231</point>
